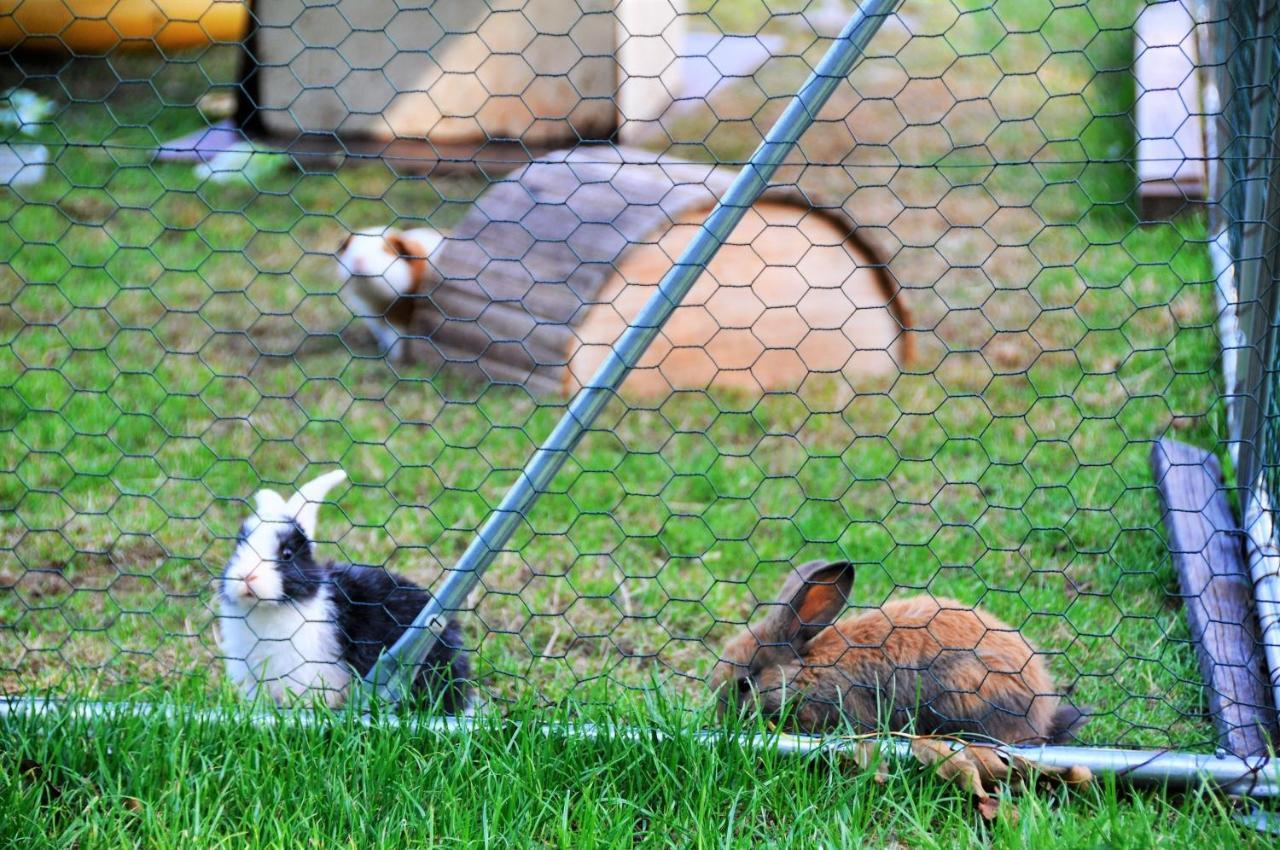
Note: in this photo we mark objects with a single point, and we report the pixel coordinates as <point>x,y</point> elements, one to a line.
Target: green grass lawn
<point>168,346</point>
<point>183,782</point>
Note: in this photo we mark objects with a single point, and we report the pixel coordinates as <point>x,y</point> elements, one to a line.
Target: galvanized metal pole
<point>1258,300</point>
<point>392,676</point>
<point>1258,777</point>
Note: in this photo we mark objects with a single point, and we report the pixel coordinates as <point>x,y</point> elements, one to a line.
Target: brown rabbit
<point>925,665</point>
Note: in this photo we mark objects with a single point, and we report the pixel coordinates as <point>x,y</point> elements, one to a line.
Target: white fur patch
<point>251,575</point>
<point>426,239</point>
<point>376,275</point>
<point>367,254</point>
<point>290,649</point>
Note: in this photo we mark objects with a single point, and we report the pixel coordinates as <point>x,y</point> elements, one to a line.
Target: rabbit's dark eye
<point>744,686</point>
<point>286,553</point>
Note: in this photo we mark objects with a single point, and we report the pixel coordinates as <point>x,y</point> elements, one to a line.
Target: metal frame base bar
<point>1257,777</point>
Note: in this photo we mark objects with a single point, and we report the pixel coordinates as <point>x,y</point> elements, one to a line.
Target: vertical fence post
<point>392,676</point>
<point>1250,208</point>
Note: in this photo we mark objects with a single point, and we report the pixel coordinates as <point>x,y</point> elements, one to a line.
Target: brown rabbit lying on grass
<point>924,665</point>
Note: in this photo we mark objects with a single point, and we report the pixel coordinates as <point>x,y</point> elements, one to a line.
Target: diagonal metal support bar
<point>392,676</point>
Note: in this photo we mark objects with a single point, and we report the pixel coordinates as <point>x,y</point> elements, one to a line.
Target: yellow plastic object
<point>98,26</point>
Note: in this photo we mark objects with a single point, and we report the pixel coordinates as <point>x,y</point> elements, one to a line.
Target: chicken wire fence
<point>1241,47</point>
<point>939,348</point>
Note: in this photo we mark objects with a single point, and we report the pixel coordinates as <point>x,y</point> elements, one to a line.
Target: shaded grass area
<point>168,346</point>
<point>145,781</point>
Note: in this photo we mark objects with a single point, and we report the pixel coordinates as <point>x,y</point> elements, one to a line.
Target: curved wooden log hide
<point>546,269</point>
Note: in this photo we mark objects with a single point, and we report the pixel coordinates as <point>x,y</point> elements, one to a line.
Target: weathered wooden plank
<point>462,72</point>
<point>474,341</point>
<point>468,357</point>
<point>479,341</point>
<point>1171,163</point>
<point>538,247</point>
<point>1208,554</point>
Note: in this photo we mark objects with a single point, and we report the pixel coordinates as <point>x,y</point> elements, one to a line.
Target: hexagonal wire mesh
<point>939,349</point>
<point>1240,46</point>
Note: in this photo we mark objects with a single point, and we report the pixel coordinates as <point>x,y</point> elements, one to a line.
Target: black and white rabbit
<point>302,631</point>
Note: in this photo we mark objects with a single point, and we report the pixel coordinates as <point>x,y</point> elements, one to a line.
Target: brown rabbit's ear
<point>811,599</point>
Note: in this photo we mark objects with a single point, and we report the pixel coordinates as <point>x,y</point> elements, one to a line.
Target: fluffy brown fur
<point>924,665</point>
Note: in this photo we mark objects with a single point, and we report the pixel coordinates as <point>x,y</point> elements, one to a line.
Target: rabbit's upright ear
<point>305,504</point>
<point>268,505</point>
<point>811,599</point>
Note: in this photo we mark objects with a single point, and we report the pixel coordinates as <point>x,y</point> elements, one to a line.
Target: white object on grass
<point>22,109</point>
<point>22,163</point>
<point>241,161</point>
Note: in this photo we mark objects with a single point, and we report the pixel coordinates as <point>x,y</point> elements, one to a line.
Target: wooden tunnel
<point>544,272</point>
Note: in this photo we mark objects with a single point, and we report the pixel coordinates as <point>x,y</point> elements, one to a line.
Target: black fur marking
<point>300,576</point>
<point>374,609</point>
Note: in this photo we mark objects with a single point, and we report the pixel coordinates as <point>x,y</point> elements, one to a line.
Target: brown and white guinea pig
<point>384,268</point>
<point>301,631</point>
<point>923,665</point>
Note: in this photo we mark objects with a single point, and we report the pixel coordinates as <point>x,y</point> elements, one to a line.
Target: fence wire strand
<point>396,238</point>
